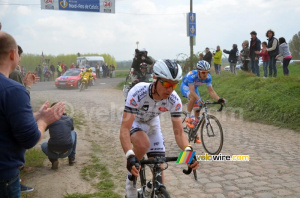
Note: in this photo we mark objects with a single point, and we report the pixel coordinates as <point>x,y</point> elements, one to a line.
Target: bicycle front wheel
<point>163,193</point>
<point>212,135</point>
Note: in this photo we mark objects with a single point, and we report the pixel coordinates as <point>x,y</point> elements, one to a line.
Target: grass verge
<point>273,101</point>
<point>98,173</point>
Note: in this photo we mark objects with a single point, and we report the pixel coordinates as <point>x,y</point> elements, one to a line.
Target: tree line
<point>31,61</point>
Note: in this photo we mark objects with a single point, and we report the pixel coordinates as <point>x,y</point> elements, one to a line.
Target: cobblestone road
<point>273,169</point>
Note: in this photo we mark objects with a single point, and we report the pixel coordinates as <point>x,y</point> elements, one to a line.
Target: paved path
<point>273,169</point>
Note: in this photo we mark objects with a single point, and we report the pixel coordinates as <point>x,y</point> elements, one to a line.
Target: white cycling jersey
<point>141,103</point>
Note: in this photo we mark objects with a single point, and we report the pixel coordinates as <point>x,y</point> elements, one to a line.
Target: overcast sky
<point>158,25</point>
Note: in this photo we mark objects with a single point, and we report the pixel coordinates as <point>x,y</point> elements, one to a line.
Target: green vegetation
<point>121,73</point>
<point>273,101</point>
<point>31,61</point>
<point>97,171</point>
<point>35,157</point>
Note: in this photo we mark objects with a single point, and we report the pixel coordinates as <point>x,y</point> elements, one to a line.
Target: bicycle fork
<point>209,128</point>
<point>157,180</point>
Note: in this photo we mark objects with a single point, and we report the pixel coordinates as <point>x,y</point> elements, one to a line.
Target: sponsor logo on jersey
<point>177,107</point>
<point>163,109</point>
<point>133,102</point>
<point>145,107</point>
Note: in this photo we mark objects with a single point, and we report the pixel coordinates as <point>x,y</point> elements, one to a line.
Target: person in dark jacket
<point>62,142</point>
<point>208,56</point>
<point>233,57</point>
<point>273,51</point>
<point>20,128</point>
<point>254,46</point>
<point>141,56</point>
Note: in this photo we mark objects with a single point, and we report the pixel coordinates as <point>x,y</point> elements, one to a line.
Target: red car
<point>71,78</point>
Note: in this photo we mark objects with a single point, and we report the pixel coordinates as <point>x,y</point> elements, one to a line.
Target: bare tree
<point>295,46</point>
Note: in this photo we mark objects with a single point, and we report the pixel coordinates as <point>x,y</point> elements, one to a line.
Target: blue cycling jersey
<point>191,78</point>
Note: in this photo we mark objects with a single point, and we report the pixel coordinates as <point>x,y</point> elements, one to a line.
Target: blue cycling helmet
<point>203,65</point>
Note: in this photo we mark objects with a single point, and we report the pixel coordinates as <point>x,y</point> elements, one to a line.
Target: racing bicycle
<point>158,190</point>
<point>211,131</point>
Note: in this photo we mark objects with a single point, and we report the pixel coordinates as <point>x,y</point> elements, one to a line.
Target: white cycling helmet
<point>167,69</point>
<point>203,65</point>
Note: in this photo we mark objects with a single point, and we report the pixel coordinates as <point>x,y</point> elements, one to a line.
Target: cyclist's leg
<point>140,142</point>
<point>185,91</point>
<point>197,111</point>
<point>139,138</point>
<point>157,146</point>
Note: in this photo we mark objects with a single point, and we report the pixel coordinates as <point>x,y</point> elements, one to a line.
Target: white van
<point>91,61</point>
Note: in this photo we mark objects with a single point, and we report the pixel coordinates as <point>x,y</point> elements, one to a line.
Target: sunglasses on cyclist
<point>203,72</point>
<point>167,84</point>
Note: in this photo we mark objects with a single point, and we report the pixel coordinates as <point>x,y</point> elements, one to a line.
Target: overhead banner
<point>102,6</point>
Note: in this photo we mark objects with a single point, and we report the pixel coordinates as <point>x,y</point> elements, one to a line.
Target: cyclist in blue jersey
<point>189,89</point>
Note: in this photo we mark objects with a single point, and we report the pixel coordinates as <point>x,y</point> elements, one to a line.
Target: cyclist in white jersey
<point>140,131</point>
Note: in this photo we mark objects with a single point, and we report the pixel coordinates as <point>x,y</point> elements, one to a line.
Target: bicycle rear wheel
<point>212,135</point>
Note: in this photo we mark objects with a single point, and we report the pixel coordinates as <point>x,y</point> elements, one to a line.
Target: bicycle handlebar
<point>132,177</point>
<point>189,170</point>
<point>160,160</point>
<point>212,103</point>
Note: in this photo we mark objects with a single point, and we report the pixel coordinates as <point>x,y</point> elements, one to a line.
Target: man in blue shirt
<point>189,89</point>
<point>20,128</point>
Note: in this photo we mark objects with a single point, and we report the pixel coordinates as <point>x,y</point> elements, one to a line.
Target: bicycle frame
<point>193,132</point>
<point>156,180</point>
<point>157,174</point>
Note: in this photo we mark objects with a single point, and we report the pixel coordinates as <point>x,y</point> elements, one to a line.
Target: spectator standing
<point>62,142</point>
<point>59,70</point>
<point>113,68</point>
<point>52,68</point>
<point>39,71</point>
<point>21,129</point>
<point>245,56</point>
<point>29,78</point>
<point>273,51</point>
<point>66,68</point>
<point>218,60</point>
<point>62,67</point>
<point>254,46</point>
<point>208,56</point>
<point>284,52</point>
<point>233,56</point>
<point>47,75</point>
<point>201,56</point>
<point>45,68</point>
<point>110,71</point>
<point>97,70</point>
<point>265,57</point>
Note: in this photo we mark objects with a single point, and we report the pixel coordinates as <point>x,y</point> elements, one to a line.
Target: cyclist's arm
<point>192,92</point>
<point>212,93</point>
<point>180,137</point>
<point>126,124</point>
